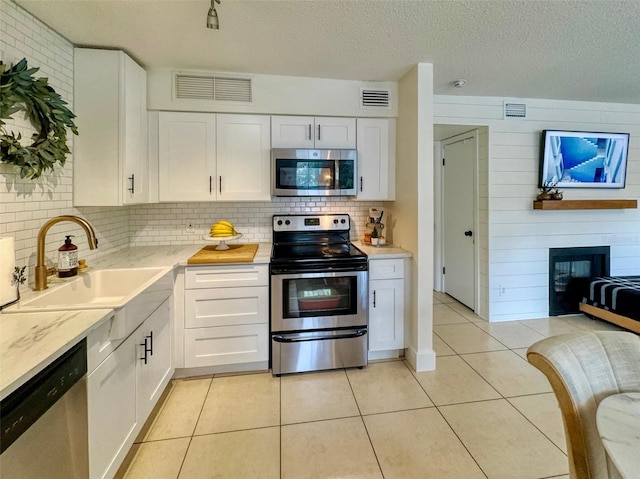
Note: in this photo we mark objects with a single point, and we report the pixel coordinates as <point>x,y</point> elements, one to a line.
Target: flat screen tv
<point>583,159</point>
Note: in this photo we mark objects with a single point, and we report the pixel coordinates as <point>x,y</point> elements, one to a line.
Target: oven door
<point>308,301</point>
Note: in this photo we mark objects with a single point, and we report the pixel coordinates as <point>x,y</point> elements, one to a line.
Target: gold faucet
<point>41,269</point>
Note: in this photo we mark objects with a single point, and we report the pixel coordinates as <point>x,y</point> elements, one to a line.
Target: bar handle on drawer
<point>374,298</point>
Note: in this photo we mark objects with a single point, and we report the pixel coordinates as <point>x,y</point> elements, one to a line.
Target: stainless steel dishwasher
<point>44,422</point>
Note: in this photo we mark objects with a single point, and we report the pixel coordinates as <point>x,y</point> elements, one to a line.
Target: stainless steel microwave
<point>304,172</point>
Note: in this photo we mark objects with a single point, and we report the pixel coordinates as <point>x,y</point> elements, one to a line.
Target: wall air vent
<point>374,98</point>
<point>515,110</point>
<point>198,87</point>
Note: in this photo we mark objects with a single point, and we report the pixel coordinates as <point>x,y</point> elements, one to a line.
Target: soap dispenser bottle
<point>67,259</point>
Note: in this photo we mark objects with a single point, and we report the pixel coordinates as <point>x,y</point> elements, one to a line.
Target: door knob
<point>468,233</point>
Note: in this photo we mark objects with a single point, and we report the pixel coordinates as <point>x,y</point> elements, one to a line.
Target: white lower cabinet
<point>386,304</point>
<point>226,316</point>
<point>112,410</point>
<point>122,389</point>
<point>153,366</point>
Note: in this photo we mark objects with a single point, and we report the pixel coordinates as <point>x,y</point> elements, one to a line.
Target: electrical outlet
<point>190,228</point>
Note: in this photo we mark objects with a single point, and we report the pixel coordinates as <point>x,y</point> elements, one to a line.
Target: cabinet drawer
<point>105,339</point>
<point>386,268</point>
<point>226,345</point>
<point>226,306</point>
<point>226,276</point>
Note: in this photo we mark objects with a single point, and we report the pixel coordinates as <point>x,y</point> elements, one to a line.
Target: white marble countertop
<point>386,251</point>
<point>31,341</point>
<point>618,421</point>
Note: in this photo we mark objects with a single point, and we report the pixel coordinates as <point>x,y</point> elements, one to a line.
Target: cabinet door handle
<point>374,298</point>
<point>210,184</point>
<point>150,336</point>
<point>309,131</point>
<point>132,179</point>
<point>361,184</point>
<point>221,184</point>
<point>144,345</point>
<point>318,132</point>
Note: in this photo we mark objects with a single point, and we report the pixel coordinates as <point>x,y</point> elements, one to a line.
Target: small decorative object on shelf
<point>548,190</point>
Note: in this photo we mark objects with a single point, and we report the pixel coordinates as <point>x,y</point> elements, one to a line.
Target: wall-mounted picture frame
<point>582,159</point>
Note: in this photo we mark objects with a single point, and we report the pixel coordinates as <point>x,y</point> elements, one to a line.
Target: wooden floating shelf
<point>584,204</point>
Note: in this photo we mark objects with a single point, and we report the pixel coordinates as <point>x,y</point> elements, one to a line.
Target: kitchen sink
<point>106,288</point>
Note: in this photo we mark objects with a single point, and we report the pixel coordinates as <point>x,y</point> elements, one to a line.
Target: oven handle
<point>280,338</point>
<point>319,269</point>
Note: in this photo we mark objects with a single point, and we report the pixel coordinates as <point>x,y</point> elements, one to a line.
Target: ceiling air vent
<point>374,98</point>
<point>213,88</point>
<point>515,110</point>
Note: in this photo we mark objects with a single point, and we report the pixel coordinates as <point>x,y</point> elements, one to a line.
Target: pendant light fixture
<point>212,16</point>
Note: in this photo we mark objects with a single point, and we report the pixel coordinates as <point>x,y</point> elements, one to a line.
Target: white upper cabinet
<point>186,156</point>
<point>243,157</point>
<point>209,157</point>
<point>110,155</point>
<point>376,159</point>
<point>313,132</point>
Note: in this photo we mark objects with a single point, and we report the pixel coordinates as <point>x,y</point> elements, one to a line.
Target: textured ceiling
<point>574,50</point>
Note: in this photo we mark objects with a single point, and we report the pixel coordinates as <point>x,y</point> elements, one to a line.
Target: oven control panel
<point>340,222</point>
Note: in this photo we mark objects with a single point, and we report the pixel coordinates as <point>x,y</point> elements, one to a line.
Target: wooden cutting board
<point>237,253</point>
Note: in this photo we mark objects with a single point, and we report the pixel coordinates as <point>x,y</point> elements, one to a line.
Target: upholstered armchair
<point>583,369</point>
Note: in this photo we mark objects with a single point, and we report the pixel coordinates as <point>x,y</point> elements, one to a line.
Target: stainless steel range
<point>318,295</point>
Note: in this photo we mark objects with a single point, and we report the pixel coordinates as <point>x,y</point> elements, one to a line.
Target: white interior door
<point>459,219</point>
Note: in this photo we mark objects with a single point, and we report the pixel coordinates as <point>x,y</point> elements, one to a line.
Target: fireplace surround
<point>569,271</point>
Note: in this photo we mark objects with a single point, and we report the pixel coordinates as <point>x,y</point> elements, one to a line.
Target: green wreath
<point>45,109</point>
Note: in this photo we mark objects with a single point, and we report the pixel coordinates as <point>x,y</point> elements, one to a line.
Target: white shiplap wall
<point>519,238</point>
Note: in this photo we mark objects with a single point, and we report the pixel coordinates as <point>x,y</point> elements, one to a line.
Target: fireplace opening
<point>569,273</point>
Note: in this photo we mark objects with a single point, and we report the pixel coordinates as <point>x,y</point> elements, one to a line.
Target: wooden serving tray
<point>237,253</point>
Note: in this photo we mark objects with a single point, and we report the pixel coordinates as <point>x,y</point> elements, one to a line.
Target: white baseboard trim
<point>423,361</point>
<point>259,366</point>
<point>390,354</point>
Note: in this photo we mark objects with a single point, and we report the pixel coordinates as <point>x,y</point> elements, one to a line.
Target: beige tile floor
<point>483,413</point>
